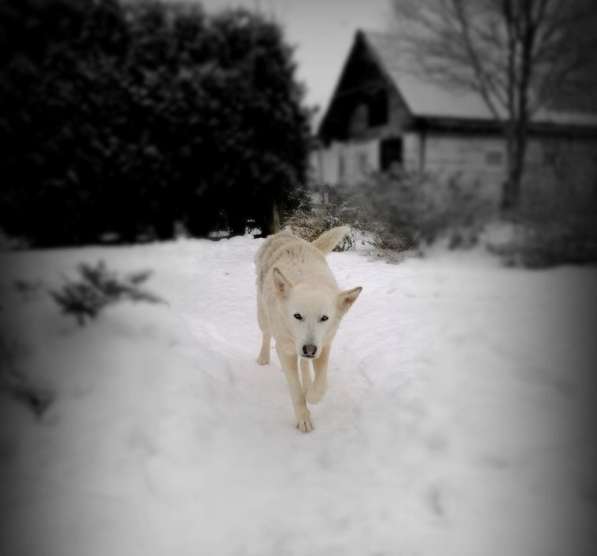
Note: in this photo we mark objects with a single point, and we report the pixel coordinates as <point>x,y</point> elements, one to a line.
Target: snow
<point>453,423</point>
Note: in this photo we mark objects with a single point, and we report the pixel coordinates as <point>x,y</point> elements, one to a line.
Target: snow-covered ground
<point>453,423</point>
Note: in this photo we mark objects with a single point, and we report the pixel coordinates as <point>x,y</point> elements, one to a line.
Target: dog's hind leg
<point>306,374</point>
<point>290,366</point>
<point>320,384</point>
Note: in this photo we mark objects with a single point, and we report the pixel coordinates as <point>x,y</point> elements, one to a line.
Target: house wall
<point>477,163</point>
<point>350,162</point>
<point>413,151</point>
<point>346,163</point>
<point>555,167</point>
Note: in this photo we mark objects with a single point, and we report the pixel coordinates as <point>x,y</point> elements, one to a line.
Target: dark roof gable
<point>362,76</point>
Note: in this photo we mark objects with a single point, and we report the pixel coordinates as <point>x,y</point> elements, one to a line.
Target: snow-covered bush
<point>98,287</point>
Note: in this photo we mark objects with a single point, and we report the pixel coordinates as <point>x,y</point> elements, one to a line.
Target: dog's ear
<point>281,283</point>
<point>347,298</point>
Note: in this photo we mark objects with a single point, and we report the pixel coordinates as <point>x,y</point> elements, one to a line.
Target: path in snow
<point>451,425</point>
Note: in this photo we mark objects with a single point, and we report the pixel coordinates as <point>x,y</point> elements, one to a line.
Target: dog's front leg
<point>290,366</point>
<point>266,342</point>
<point>320,384</point>
<point>306,374</point>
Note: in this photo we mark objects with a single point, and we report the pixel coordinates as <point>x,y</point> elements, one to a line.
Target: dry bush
<point>402,211</point>
<point>550,232</point>
<point>309,222</point>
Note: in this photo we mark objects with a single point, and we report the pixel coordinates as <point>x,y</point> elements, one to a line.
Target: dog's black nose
<point>309,350</point>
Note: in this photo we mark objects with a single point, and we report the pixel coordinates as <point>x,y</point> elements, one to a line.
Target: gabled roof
<point>422,97</point>
<point>430,100</point>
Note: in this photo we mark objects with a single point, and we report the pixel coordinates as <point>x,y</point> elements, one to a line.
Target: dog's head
<point>312,315</point>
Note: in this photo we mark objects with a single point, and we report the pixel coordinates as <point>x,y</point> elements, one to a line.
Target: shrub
<point>402,211</point>
<point>97,288</point>
<point>554,224</point>
<point>410,210</point>
<point>310,222</point>
<point>542,243</point>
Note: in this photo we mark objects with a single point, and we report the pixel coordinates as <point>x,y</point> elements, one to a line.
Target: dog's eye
<point>323,318</point>
<point>298,316</point>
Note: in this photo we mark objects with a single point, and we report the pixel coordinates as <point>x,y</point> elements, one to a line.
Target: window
<point>378,108</point>
<point>494,158</point>
<point>358,122</point>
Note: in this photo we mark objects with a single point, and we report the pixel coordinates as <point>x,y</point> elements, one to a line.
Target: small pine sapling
<point>99,287</point>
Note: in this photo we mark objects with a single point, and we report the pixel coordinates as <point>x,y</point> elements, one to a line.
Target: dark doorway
<point>390,153</point>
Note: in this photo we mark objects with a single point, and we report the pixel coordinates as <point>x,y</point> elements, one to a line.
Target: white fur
<point>293,278</point>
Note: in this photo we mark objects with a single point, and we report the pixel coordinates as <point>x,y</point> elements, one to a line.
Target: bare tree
<point>520,56</point>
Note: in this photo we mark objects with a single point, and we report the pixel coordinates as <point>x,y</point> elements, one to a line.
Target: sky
<point>321,31</point>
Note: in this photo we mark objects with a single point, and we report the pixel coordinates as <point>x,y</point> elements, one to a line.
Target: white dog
<point>300,305</point>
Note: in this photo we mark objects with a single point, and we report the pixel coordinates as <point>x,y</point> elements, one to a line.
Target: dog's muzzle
<point>309,350</point>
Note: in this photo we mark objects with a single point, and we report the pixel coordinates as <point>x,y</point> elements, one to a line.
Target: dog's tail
<point>328,240</point>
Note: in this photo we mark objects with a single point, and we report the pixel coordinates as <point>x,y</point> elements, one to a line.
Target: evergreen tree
<point>128,117</point>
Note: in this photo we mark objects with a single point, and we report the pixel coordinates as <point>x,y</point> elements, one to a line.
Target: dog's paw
<point>304,423</point>
<point>263,359</point>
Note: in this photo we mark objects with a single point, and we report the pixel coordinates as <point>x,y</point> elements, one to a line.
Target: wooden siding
<point>553,165</point>
<point>480,161</point>
<point>347,163</point>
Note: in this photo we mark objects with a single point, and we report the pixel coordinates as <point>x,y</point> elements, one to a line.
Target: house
<point>381,115</point>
